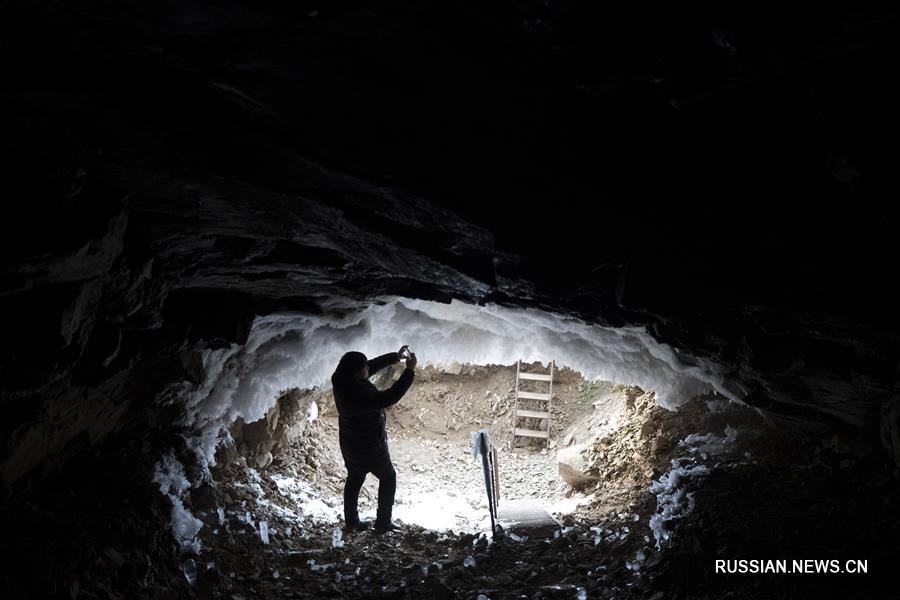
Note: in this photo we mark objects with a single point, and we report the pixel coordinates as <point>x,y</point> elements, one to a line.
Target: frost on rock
<point>336,538</point>
<point>475,449</point>
<point>717,405</point>
<point>635,565</point>
<point>709,444</point>
<point>671,499</point>
<point>169,474</point>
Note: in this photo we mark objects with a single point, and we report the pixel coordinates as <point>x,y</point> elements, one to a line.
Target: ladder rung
<point>534,396</point>
<point>532,413</point>
<point>535,376</point>
<point>532,433</point>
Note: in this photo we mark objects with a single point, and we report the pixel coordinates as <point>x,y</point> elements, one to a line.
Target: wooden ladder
<point>539,407</point>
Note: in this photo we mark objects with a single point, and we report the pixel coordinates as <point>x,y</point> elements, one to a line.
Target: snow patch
<point>438,511</point>
<point>310,503</point>
<point>169,474</point>
<point>567,506</point>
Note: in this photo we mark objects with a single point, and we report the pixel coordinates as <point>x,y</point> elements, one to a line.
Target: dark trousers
<point>382,468</point>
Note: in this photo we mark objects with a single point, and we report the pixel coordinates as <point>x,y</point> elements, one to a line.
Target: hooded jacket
<point>361,407</point>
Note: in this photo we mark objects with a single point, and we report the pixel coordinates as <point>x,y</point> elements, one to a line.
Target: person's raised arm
<point>392,395</point>
<point>380,362</point>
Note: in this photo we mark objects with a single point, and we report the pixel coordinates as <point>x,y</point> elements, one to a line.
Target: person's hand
<point>411,362</point>
<point>402,350</point>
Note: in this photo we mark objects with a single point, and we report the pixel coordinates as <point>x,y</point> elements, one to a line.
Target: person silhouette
<point>361,431</point>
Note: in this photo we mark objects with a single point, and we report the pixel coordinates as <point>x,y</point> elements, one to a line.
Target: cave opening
<point>440,484</point>
<point>634,427</point>
<point>650,457</point>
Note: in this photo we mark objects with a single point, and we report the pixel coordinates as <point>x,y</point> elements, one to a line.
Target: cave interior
<point>690,209</point>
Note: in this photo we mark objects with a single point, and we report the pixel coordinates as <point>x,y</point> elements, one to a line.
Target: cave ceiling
<point>724,176</point>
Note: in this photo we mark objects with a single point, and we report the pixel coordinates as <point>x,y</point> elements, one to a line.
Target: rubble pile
<point>267,535</point>
<point>794,495</point>
<point>633,464</point>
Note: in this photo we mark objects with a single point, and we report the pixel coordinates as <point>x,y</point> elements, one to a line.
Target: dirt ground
<point>430,433</point>
<point>440,485</point>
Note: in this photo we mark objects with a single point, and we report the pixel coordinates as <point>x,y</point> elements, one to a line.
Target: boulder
<point>572,466</point>
<point>454,368</point>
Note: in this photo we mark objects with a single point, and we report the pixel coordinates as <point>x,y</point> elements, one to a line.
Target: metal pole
<point>495,472</point>
<point>488,484</point>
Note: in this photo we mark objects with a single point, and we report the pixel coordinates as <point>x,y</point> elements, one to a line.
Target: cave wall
<point>722,176</point>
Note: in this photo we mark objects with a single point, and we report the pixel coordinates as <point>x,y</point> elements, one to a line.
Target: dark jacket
<point>361,407</point>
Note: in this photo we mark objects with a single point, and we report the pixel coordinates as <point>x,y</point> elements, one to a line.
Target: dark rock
<point>173,172</point>
<point>436,588</point>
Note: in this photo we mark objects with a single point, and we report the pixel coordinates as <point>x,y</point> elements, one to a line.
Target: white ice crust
<point>301,350</point>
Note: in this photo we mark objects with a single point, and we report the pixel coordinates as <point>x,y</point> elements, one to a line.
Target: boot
<point>386,527</point>
<point>357,526</point>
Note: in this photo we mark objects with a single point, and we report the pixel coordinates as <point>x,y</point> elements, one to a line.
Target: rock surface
<point>182,171</point>
<point>572,466</point>
<point>724,177</point>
